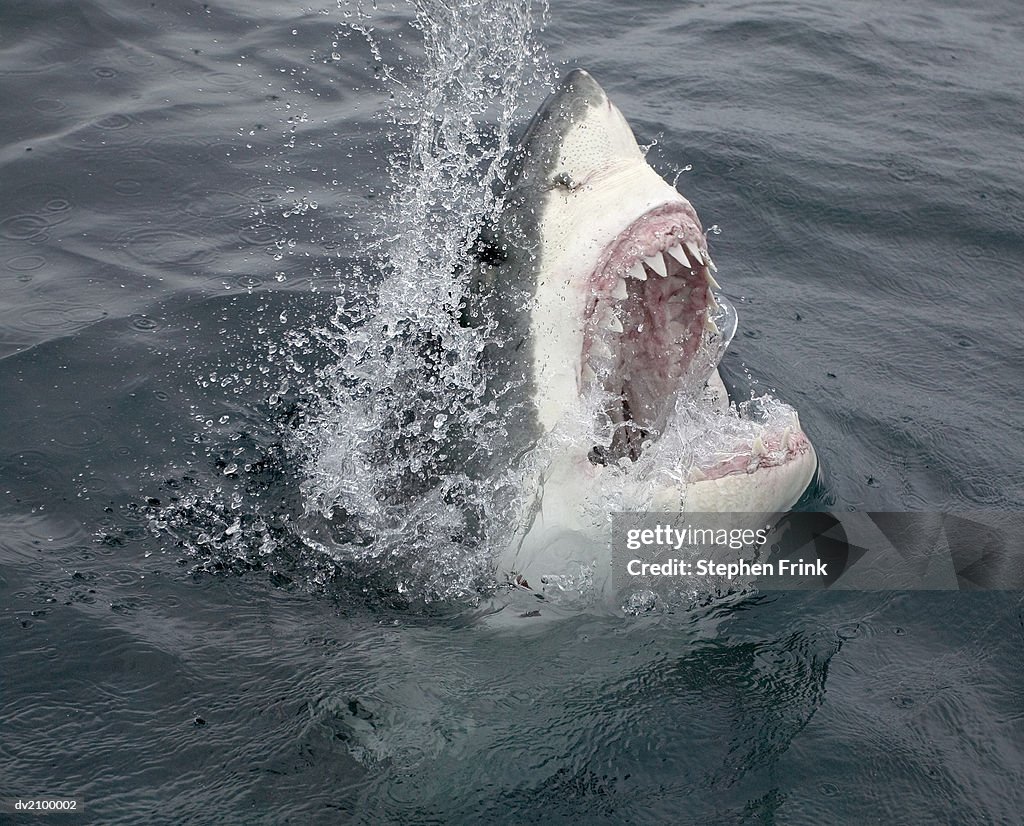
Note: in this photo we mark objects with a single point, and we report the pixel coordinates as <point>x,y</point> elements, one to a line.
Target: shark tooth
<point>711,327</point>
<point>588,374</point>
<point>601,349</point>
<point>711,279</point>
<point>676,252</point>
<point>759,448</point>
<point>619,290</point>
<point>657,263</point>
<point>694,252</point>
<point>711,265</point>
<point>637,271</point>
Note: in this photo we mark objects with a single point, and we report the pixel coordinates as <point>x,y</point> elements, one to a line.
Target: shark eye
<point>563,179</point>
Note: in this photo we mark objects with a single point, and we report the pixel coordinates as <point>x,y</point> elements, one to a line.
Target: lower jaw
<point>767,489</point>
<point>565,537</point>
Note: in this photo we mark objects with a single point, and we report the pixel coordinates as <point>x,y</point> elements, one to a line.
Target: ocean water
<point>205,211</point>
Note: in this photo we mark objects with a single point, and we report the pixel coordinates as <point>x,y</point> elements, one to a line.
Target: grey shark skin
<point>599,275</point>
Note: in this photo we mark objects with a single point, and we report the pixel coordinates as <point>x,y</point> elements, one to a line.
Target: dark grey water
<point>185,190</point>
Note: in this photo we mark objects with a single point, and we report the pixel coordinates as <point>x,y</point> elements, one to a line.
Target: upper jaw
<point>649,326</point>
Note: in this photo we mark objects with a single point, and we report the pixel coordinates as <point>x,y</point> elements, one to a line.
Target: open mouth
<point>651,335</point>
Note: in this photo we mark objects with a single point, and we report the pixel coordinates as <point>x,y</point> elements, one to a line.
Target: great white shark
<point>599,273</point>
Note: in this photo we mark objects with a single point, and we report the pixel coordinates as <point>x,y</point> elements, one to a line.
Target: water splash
<point>402,419</point>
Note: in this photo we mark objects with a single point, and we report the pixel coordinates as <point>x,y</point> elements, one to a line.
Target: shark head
<point>623,310</point>
<point>626,280</point>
